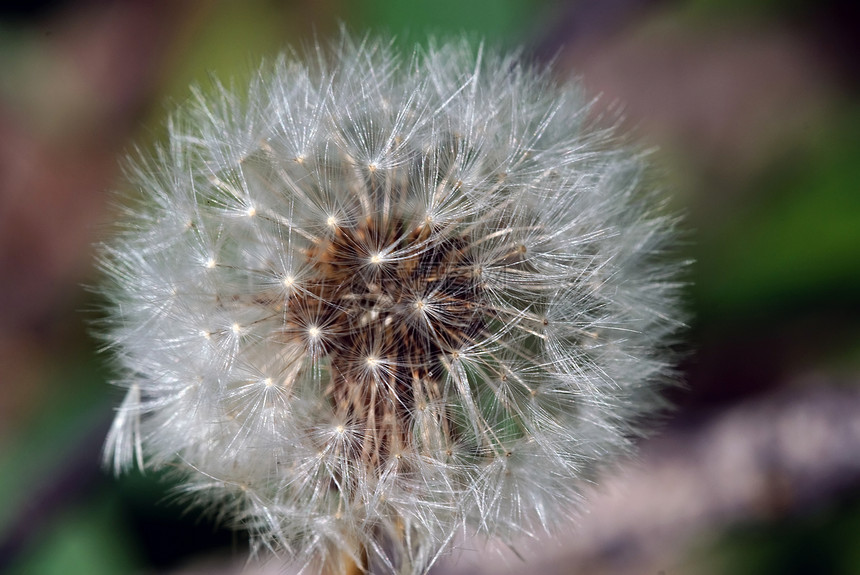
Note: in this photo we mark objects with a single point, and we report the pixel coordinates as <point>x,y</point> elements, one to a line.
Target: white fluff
<point>559,307</point>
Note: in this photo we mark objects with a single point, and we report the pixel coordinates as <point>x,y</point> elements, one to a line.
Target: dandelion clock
<point>372,302</point>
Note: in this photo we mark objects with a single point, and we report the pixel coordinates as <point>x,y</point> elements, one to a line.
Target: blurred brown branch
<point>761,460</point>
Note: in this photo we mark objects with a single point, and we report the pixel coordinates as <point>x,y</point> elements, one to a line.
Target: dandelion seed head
<point>447,306</point>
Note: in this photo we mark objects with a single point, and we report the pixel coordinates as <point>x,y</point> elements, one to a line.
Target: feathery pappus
<point>373,301</point>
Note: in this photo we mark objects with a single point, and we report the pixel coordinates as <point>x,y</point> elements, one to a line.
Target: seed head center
<point>370,318</point>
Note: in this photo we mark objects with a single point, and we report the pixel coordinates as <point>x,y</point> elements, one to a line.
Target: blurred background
<point>754,109</point>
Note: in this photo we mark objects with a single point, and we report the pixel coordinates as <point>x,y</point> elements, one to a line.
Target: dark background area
<point>753,109</point>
